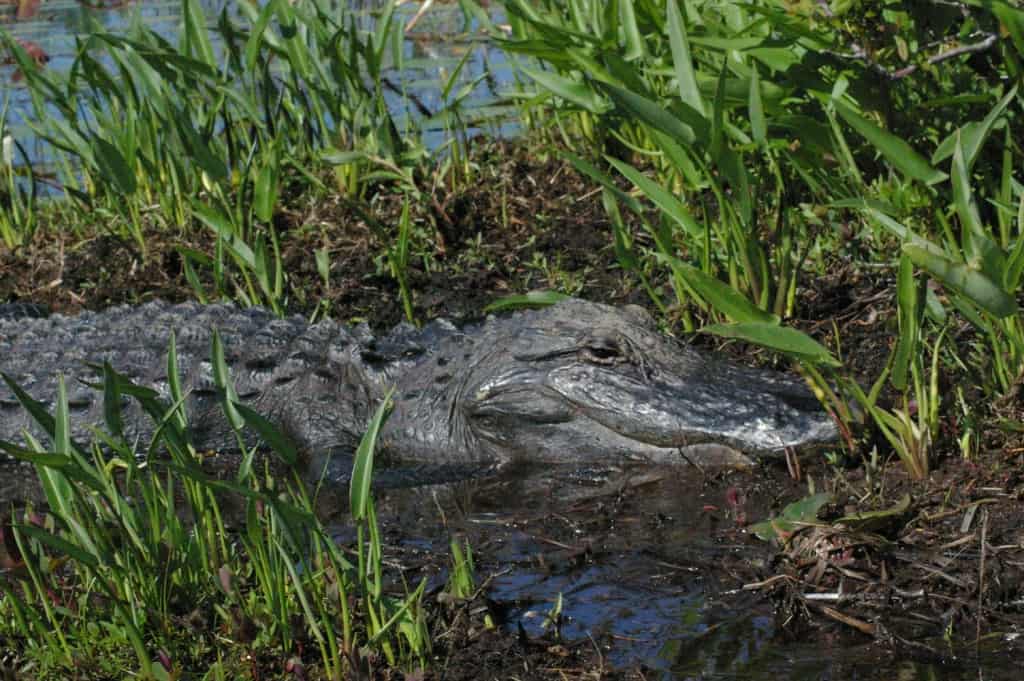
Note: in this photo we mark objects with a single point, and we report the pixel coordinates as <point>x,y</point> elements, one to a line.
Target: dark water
<point>649,574</point>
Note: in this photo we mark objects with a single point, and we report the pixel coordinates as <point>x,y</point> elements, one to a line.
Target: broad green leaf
<point>758,126</point>
<point>112,402</point>
<point>339,157</point>
<point>720,295</point>
<point>531,299</point>
<point>718,119</point>
<point>907,306</point>
<point>174,381</point>
<point>196,37</point>
<point>630,31</point>
<point>783,338</point>
<point>978,244</point>
<point>875,521</point>
<point>114,167</point>
<point>895,150</point>
<point>973,135</point>
<point>681,60</point>
<point>799,513</point>
<point>669,204</point>
<point>655,115</point>
<point>904,233</point>
<point>61,545</point>
<point>222,226</point>
<point>48,459</point>
<point>35,409</point>
<point>963,198</point>
<point>720,43</point>
<point>362,467</point>
<point>579,93</point>
<point>198,148</point>
<point>971,283</point>
<point>265,191</point>
<point>479,14</point>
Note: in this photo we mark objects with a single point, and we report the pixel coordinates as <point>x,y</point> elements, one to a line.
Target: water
<point>431,52</point>
<point>648,576</point>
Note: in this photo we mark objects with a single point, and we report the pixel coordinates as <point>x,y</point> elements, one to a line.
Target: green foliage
<point>796,515</point>
<point>757,131</point>
<point>215,138</point>
<point>128,550</point>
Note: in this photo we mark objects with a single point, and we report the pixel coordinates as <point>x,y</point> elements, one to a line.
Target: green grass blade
<point>112,402</point>
<point>895,150</point>
<point>669,204</point>
<point>591,171</point>
<point>789,341</point>
<point>362,467</point>
<point>682,62</point>
<point>720,295</point>
<point>269,433</point>
<point>222,378</point>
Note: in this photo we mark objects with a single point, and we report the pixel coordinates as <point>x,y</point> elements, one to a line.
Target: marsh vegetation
<point>828,187</point>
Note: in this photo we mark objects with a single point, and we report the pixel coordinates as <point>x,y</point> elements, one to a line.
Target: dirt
<point>522,225</point>
<point>659,572</point>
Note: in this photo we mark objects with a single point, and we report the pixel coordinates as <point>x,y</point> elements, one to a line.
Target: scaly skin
<point>577,382</point>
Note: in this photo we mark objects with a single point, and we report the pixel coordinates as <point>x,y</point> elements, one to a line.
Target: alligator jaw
<point>761,414</point>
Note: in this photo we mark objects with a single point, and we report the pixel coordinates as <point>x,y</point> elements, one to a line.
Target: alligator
<point>576,382</point>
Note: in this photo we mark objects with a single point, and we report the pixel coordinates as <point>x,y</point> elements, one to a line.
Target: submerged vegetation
<point>740,154</point>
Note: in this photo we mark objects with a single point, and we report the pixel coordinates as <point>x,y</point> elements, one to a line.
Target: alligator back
<point>300,375</point>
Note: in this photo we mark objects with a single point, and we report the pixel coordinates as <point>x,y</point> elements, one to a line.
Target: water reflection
<point>643,574</point>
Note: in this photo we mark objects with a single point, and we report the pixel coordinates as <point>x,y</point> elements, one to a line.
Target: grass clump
<point>761,149</point>
<point>135,566</point>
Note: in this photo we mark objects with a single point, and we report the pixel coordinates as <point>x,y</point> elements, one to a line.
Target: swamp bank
<point>826,189</point>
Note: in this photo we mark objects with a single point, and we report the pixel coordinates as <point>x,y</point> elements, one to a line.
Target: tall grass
<point>753,137</point>
<point>167,135</point>
<point>135,564</point>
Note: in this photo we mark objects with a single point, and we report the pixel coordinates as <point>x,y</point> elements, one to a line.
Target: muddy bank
<point>659,572</point>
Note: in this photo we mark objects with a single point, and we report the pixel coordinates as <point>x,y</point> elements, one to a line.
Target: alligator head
<point>582,382</point>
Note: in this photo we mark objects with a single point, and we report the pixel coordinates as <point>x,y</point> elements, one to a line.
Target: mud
<point>658,575</point>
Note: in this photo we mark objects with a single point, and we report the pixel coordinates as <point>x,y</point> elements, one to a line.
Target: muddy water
<point>650,566</point>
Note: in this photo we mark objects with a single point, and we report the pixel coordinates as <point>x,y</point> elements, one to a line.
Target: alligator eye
<point>602,352</point>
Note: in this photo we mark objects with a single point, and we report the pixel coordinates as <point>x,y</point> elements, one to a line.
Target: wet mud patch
<point>655,573</point>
